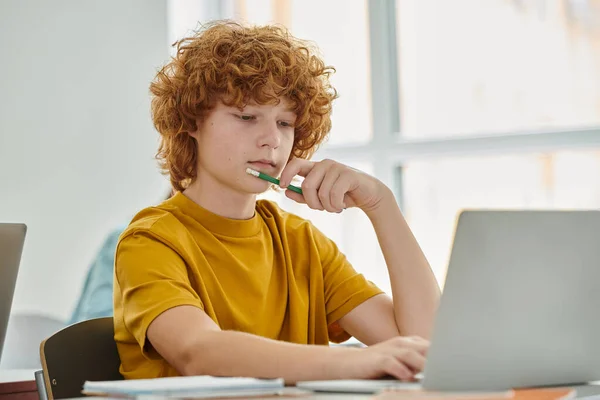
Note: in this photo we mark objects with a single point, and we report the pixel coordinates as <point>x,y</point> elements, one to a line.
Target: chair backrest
<point>78,353</point>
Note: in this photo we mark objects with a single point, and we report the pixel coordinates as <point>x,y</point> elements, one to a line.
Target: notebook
<point>186,387</point>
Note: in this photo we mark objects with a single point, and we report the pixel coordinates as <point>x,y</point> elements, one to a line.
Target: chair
<point>78,353</point>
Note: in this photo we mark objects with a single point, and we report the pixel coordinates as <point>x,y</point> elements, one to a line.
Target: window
<point>501,102</point>
<point>435,191</point>
<point>473,66</point>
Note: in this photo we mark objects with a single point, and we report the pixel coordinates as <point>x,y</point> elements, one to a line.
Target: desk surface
<point>315,396</point>
<point>587,392</point>
<point>340,396</point>
<point>16,375</point>
<point>18,385</point>
<point>591,392</point>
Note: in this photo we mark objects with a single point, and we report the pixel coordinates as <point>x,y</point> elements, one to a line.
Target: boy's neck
<point>220,199</point>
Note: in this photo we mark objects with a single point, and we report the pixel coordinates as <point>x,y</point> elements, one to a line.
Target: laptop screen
<point>12,238</point>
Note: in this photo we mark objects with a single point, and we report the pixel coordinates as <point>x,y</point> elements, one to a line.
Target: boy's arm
<point>332,186</point>
<point>414,288</point>
<point>197,346</point>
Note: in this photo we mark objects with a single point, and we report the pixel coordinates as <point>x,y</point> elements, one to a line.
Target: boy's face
<point>258,137</point>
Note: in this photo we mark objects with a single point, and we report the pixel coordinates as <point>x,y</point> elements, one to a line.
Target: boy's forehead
<point>282,102</point>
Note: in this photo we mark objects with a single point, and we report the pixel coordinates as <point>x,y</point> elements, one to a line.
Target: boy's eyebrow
<point>256,108</point>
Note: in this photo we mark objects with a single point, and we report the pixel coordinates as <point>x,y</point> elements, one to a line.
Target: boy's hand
<point>331,186</point>
<point>400,357</point>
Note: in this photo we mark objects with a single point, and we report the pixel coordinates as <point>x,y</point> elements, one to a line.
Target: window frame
<point>388,151</point>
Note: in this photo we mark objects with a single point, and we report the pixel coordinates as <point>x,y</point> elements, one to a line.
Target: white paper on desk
<point>364,386</point>
<point>183,386</point>
<point>246,394</point>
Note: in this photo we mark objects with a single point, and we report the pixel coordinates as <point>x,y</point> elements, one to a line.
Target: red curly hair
<point>236,64</point>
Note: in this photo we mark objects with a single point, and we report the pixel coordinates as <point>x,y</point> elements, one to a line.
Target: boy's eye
<point>285,124</point>
<point>246,117</point>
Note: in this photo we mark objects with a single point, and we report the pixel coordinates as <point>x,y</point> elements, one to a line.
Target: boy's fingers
<point>310,187</point>
<point>324,191</point>
<point>338,192</point>
<point>397,369</point>
<point>296,166</point>
<point>410,358</point>
<point>421,346</point>
<point>297,197</point>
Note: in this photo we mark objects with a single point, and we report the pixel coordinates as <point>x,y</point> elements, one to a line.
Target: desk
<point>18,384</point>
<point>316,396</point>
<point>584,392</point>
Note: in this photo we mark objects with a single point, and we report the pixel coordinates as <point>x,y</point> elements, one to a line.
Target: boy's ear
<point>194,133</point>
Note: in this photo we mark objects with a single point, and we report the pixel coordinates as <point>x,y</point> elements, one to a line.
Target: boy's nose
<point>270,137</point>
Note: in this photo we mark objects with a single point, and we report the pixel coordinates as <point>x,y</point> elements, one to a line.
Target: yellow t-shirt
<point>274,275</point>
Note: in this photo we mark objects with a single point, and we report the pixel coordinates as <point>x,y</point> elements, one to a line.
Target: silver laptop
<point>12,238</point>
<point>520,307</point>
<point>521,302</point>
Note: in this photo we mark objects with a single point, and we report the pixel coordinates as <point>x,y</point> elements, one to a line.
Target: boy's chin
<point>258,188</point>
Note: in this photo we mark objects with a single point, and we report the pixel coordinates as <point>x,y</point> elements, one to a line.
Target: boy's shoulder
<point>157,220</point>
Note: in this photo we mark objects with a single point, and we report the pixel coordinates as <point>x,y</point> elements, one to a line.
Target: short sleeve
<point>151,278</point>
<point>344,288</point>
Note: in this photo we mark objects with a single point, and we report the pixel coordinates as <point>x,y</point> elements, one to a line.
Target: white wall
<point>76,139</point>
<point>185,16</point>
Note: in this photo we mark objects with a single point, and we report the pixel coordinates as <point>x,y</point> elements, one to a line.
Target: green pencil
<point>268,178</point>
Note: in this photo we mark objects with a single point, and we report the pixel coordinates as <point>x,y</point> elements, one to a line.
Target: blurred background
<point>453,104</point>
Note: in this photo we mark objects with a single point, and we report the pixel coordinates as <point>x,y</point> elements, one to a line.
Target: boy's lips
<point>266,164</point>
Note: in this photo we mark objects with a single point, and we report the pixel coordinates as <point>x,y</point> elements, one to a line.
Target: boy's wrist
<point>386,203</point>
<point>336,361</point>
